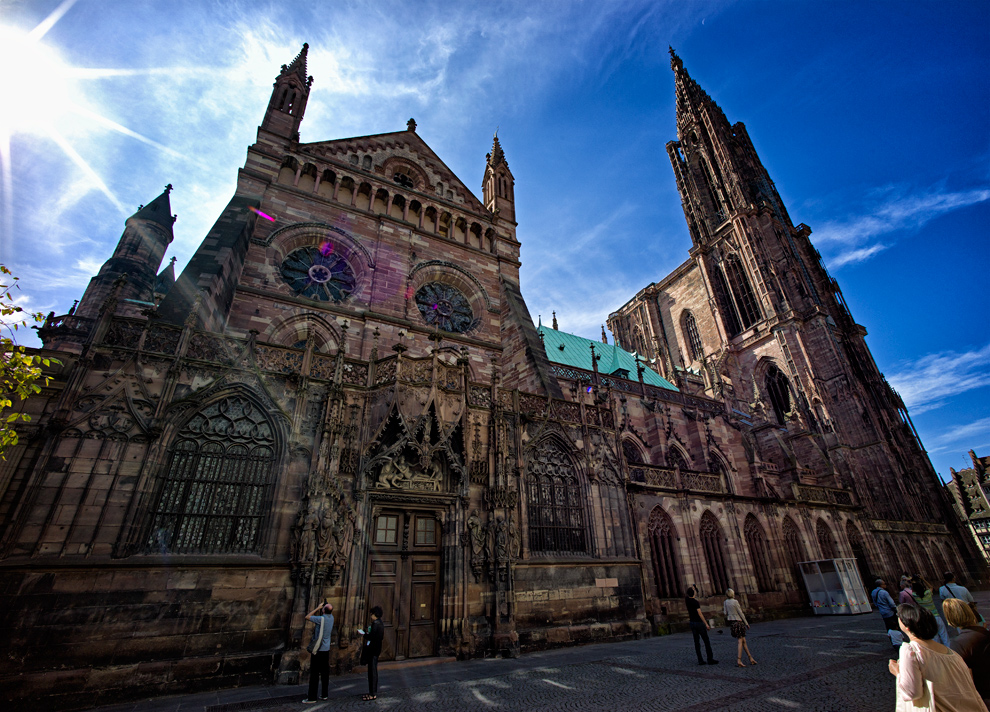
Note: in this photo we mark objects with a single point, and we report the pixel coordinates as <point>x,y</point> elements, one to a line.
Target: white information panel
<point>834,587</point>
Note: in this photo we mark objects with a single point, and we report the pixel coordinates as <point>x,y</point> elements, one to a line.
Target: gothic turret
<point>147,233</point>
<point>498,186</point>
<point>289,97</point>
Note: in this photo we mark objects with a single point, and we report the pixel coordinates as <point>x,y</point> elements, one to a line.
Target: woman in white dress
<point>929,675</point>
<point>738,624</point>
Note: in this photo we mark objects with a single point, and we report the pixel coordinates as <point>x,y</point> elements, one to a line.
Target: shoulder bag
<point>314,644</point>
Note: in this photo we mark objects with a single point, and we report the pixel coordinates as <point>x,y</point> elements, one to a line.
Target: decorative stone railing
<point>581,376</point>
<point>822,495</point>
<point>889,525</point>
<point>666,478</point>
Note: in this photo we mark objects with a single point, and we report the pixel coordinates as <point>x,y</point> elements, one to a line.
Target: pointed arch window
<point>793,545</point>
<point>778,389</point>
<point>663,538</point>
<point>742,292</point>
<point>555,503</point>
<point>759,553</point>
<point>727,308</point>
<point>826,542</point>
<point>894,564</point>
<point>675,459</point>
<point>217,488</point>
<point>859,552</point>
<point>713,544</point>
<point>691,335</point>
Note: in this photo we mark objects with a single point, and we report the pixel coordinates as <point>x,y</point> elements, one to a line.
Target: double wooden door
<point>404,579</point>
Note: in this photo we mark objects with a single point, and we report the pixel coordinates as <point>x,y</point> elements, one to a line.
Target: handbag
<point>314,644</point>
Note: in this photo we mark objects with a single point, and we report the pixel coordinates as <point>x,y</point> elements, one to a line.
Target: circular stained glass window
<point>445,307</point>
<point>318,274</point>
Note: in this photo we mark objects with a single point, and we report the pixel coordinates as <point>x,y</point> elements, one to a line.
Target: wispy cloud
<point>887,211</point>
<point>927,383</point>
<point>968,436</point>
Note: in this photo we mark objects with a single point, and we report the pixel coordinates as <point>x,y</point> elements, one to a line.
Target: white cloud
<point>892,209</point>
<point>926,383</point>
<point>964,435</point>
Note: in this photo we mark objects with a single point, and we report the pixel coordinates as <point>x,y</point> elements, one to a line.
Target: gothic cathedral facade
<point>343,396</point>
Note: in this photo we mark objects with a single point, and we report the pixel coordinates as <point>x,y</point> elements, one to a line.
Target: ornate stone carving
<point>398,474</point>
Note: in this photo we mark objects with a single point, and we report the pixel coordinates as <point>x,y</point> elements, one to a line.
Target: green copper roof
<point>570,350</point>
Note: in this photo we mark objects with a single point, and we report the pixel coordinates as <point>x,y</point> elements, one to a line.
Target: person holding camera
<point>371,648</point>
<point>319,648</point>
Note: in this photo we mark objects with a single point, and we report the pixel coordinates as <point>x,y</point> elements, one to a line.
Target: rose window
<point>445,307</point>
<point>318,274</point>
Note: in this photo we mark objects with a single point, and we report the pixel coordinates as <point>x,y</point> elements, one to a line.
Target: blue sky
<point>873,119</point>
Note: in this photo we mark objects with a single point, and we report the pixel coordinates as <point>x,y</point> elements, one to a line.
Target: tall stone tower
<point>754,318</point>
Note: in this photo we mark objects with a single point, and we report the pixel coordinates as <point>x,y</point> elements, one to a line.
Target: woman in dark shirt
<point>972,643</point>
<point>371,648</point>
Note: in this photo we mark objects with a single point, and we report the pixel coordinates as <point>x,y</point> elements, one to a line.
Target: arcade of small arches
<point>762,556</point>
<point>377,199</point>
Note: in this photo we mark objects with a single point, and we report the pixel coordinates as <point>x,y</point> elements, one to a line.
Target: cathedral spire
<point>498,185</point>
<point>289,97</point>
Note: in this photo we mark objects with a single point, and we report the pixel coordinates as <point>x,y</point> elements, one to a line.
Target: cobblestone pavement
<point>809,664</point>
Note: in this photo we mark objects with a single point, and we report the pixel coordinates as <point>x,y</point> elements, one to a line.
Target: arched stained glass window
<point>859,552</point>
<point>826,541</point>
<point>554,501</point>
<point>742,292</point>
<point>664,544</point>
<point>713,544</point>
<point>675,458</point>
<point>692,337</point>
<point>794,546</point>
<point>759,553</point>
<point>778,389</point>
<point>216,490</point>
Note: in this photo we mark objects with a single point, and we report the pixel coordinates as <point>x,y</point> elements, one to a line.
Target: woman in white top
<point>737,625</point>
<point>929,675</point>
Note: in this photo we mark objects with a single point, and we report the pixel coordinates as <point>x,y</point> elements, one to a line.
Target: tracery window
<point>792,542</point>
<point>826,541</point>
<point>675,458</point>
<point>778,389</point>
<point>859,552</point>
<point>759,553</point>
<point>692,336</point>
<point>664,541</point>
<point>554,502</point>
<point>318,273</point>
<point>713,544</point>
<point>729,316</point>
<point>444,307</point>
<point>749,311</point>
<point>217,487</point>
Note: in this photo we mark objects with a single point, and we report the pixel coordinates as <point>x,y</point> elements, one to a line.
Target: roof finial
<point>168,188</point>
<point>555,321</point>
<point>675,61</point>
<point>411,125</point>
<point>604,336</point>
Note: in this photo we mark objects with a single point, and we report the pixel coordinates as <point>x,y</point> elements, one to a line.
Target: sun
<point>34,84</point>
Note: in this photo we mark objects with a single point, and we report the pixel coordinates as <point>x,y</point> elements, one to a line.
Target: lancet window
<point>713,544</point>
<point>793,545</point>
<point>759,553</point>
<point>778,389</point>
<point>664,544</point>
<point>692,336</point>
<point>826,542</point>
<point>555,502</point>
<point>859,552</point>
<point>217,488</point>
<point>749,311</point>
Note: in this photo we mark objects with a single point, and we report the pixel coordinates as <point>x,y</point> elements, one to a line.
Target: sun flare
<point>33,80</point>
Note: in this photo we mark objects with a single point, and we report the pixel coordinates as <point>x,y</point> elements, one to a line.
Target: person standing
<point>737,625</point>
<point>950,589</point>
<point>319,666</point>
<point>371,648</point>
<point>885,605</point>
<point>923,594</point>
<point>972,643</point>
<point>922,661</point>
<point>905,595</point>
<point>699,627</point>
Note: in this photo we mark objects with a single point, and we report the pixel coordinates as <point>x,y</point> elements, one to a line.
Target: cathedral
<point>343,396</point>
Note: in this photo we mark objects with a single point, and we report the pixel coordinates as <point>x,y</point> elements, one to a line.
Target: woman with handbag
<point>371,648</point>
<point>972,643</point>
<point>929,675</point>
<point>738,625</point>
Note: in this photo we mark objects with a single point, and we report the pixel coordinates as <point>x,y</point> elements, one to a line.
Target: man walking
<point>885,605</point>
<point>319,666</point>
<point>699,627</point>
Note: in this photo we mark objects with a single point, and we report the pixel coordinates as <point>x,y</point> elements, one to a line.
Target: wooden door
<point>404,579</point>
